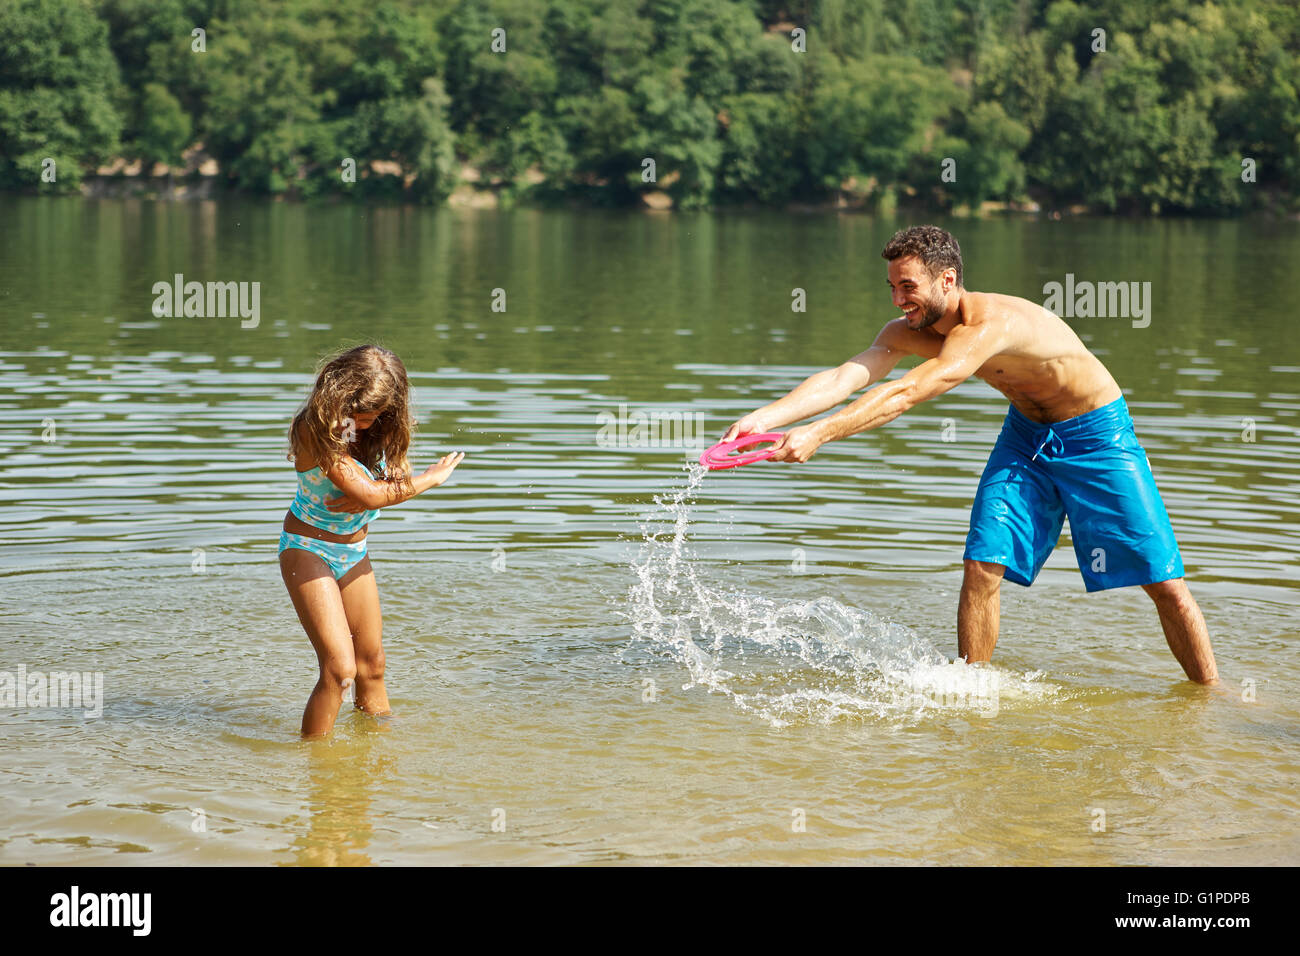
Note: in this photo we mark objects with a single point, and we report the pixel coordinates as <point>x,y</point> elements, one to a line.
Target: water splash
<point>787,662</point>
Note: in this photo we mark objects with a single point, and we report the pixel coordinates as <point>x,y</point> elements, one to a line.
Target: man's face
<point>921,298</point>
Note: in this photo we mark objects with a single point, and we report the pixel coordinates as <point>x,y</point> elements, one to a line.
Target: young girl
<point>349,445</point>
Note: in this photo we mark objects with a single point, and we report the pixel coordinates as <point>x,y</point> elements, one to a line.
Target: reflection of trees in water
<point>344,772</point>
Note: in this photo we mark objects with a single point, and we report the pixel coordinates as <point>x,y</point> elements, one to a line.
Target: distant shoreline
<point>472,192</point>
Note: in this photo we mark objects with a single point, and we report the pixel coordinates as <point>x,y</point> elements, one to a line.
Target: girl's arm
<point>361,493</point>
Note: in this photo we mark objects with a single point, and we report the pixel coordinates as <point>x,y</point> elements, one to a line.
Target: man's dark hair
<point>936,247</point>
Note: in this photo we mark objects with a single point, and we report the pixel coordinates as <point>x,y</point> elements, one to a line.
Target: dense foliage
<point>1022,97</point>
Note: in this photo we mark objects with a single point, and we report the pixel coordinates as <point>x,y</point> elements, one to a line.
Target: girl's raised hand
<point>443,469</point>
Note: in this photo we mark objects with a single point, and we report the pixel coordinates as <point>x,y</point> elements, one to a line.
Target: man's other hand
<point>799,444</point>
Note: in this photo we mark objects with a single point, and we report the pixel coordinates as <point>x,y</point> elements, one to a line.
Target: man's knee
<point>982,576</point>
<point>1170,595</point>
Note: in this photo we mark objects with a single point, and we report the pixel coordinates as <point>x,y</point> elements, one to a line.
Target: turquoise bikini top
<point>314,489</point>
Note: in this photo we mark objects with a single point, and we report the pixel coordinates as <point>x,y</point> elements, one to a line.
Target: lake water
<point>594,654</point>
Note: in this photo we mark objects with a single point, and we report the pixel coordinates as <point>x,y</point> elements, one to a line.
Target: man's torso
<point>1043,368</point>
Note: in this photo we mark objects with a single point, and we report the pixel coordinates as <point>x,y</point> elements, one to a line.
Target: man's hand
<point>799,444</point>
<point>751,424</point>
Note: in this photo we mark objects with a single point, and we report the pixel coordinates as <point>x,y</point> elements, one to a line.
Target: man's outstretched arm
<point>963,352</point>
<point>826,389</point>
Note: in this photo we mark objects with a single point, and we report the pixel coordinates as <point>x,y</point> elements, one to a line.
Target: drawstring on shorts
<point>1057,448</point>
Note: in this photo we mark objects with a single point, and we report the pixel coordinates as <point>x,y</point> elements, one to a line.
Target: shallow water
<point>595,653</point>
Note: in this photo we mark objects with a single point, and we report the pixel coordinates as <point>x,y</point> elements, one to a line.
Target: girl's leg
<point>316,598</point>
<point>361,605</point>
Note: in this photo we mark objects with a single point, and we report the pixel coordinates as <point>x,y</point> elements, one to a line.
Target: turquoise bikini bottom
<point>341,558</point>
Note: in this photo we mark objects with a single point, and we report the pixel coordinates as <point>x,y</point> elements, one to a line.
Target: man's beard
<point>930,314</point>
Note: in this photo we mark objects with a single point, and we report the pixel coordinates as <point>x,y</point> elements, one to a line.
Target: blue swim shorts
<point>1092,469</point>
<point>340,558</point>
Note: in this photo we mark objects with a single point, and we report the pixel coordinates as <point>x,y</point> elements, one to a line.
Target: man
<point>1067,445</point>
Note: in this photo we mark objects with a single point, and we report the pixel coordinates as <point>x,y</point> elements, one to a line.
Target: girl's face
<point>364,420</point>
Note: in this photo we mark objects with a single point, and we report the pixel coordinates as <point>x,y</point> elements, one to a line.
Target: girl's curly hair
<point>364,379</point>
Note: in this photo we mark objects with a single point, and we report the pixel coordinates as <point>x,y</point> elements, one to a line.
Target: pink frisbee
<point>723,454</point>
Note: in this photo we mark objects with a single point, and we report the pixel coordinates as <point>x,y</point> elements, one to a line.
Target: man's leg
<point>979,610</point>
<point>1184,629</point>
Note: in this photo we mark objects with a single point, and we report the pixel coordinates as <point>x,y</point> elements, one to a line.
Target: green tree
<point>164,128</point>
<point>872,118</point>
<point>491,91</point>
<point>987,155</point>
<point>58,86</point>
<point>412,132</point>
<point>264,118</point>
<point>151,41</point>
<point>762,157</point>
<point>1021,93</point>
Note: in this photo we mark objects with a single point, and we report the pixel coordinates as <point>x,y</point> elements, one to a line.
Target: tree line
<point>1158,107</point>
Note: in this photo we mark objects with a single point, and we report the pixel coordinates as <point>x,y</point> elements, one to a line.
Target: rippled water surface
<point>595,652</point>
